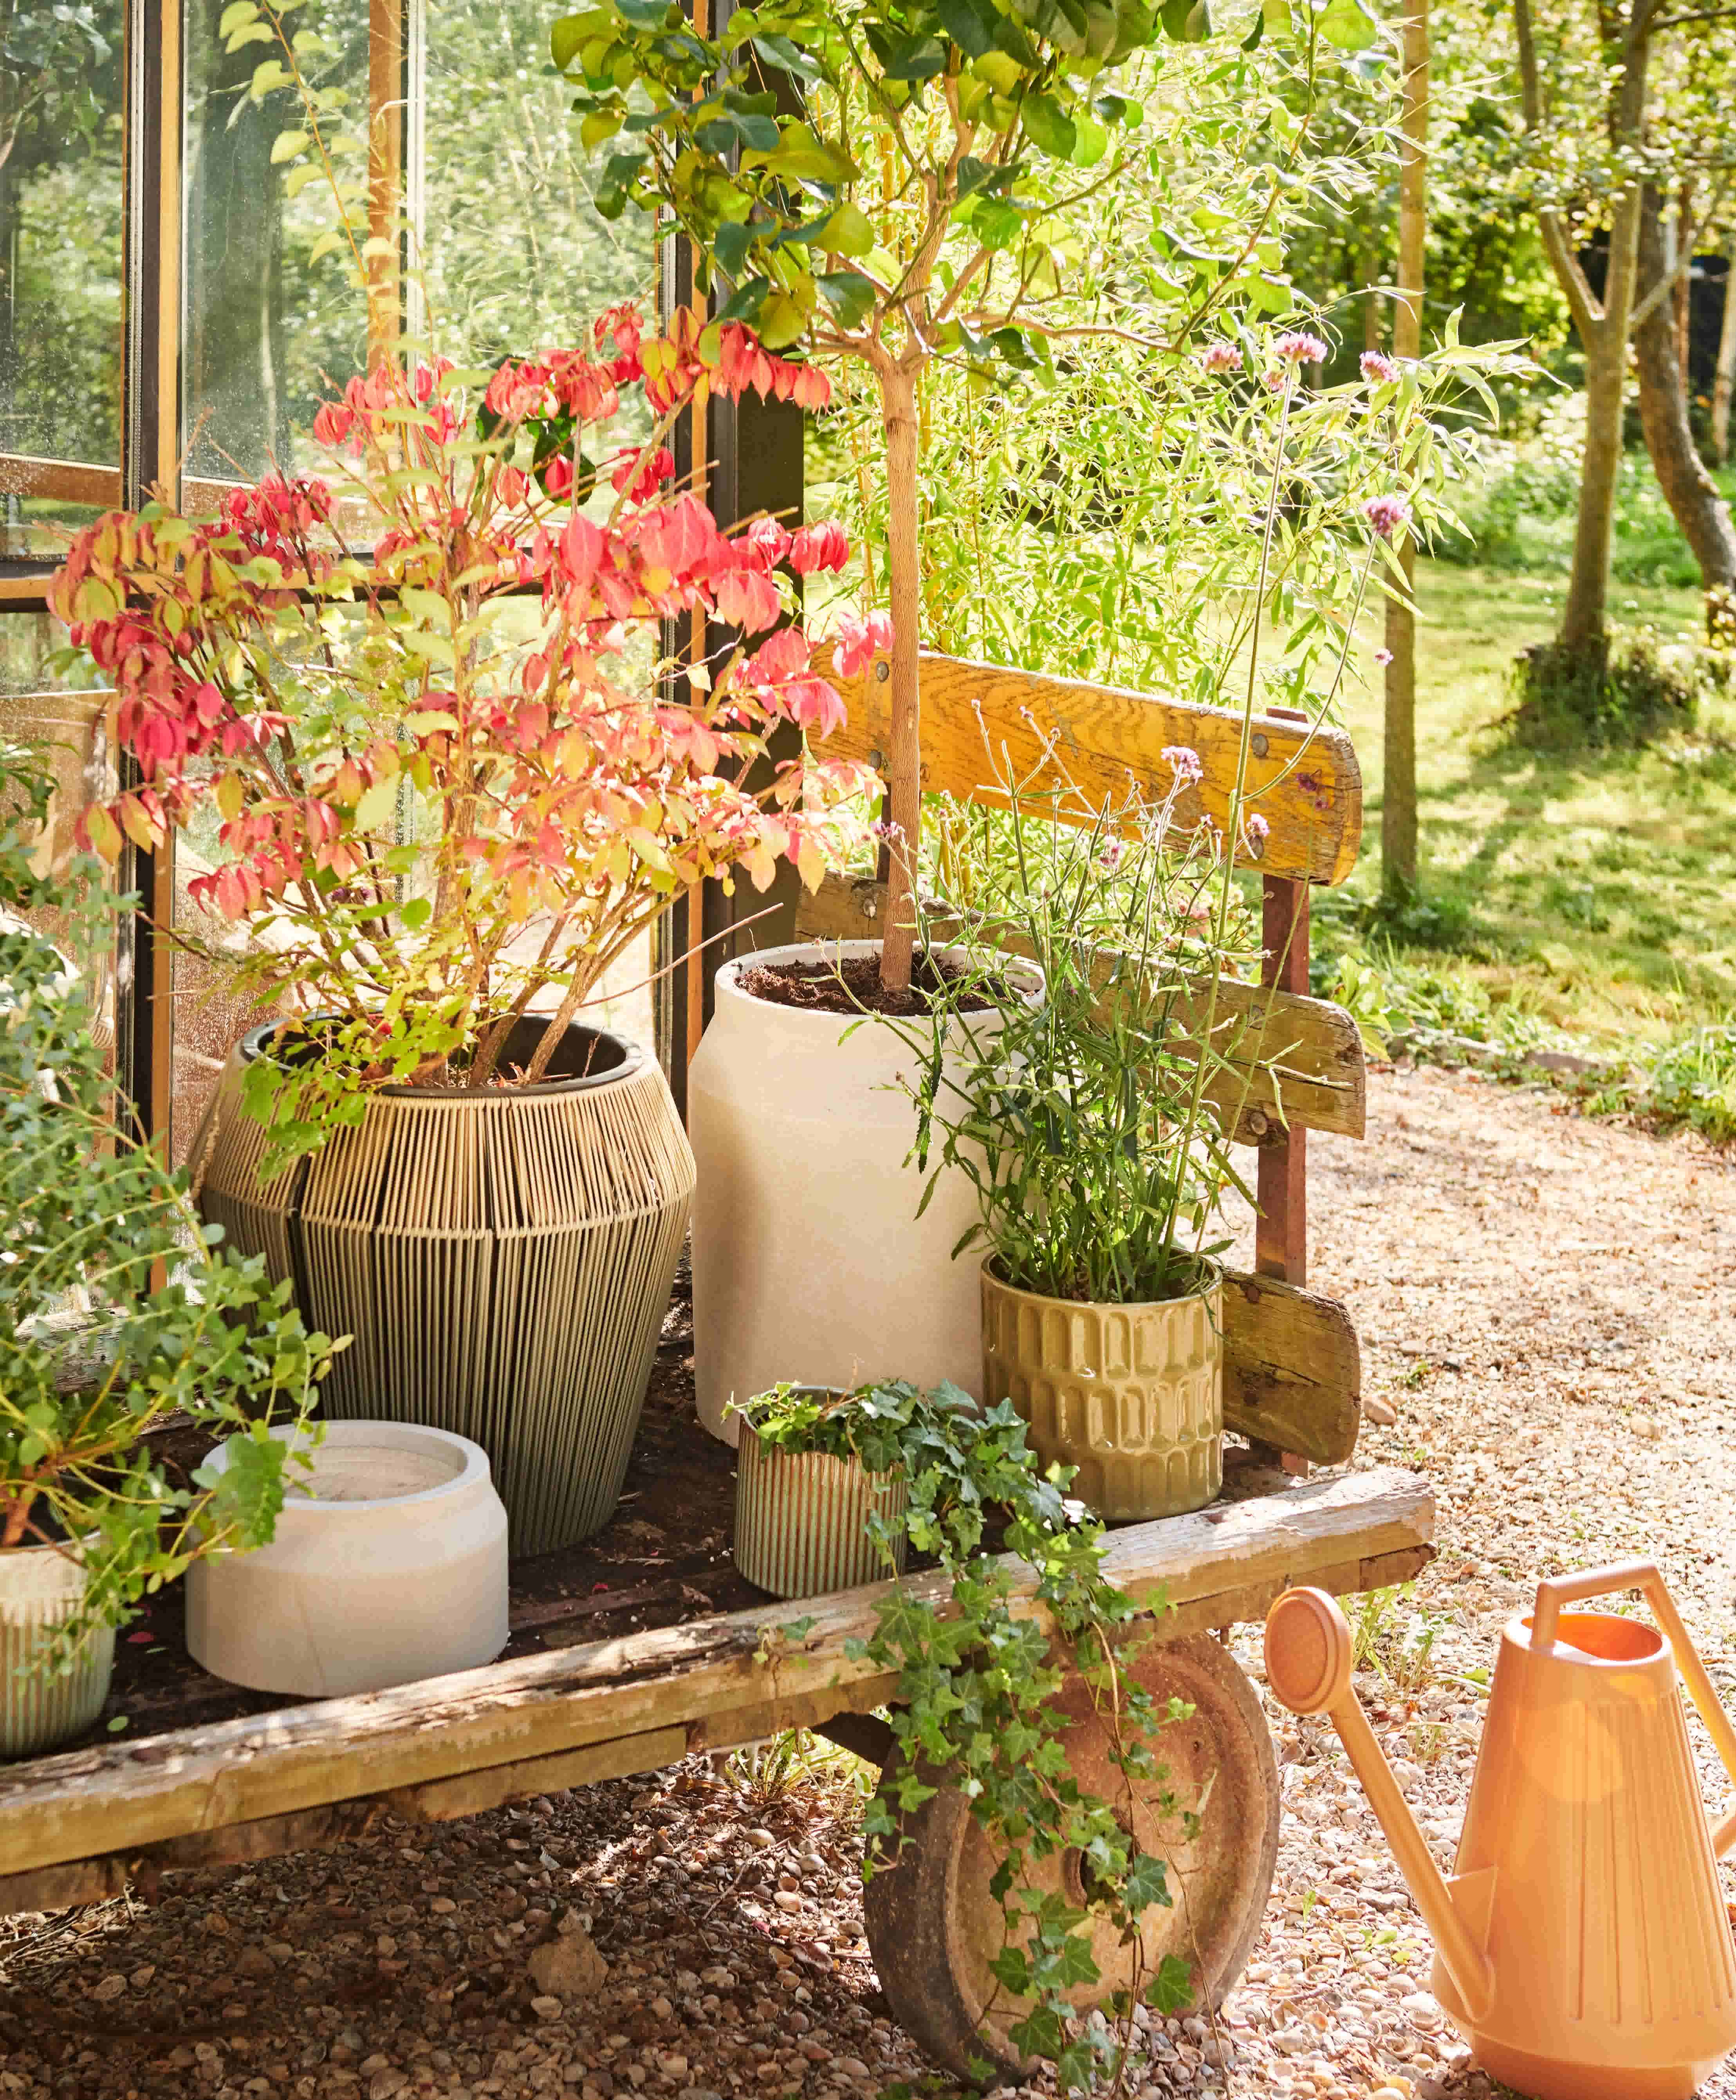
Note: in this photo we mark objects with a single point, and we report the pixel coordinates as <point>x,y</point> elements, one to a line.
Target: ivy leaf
<point>1147,1883</point>
<point>1170,1990</point>
<point>1048,126</point>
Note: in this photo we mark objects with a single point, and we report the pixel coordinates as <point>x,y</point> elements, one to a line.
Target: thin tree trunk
<point>1689,489</point>
<point>1683,232</point>
<point>1724,385</point>
<point>1398,789</point>
<point>1602,326</point>
<point>904,760</point>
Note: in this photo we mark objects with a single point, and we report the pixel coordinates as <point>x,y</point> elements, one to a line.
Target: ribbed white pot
<point>809,1262</point>
<point>40,1589</point>
<point>387,1565</point>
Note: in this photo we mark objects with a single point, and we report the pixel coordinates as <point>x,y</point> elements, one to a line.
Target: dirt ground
<point>1550,1303</point>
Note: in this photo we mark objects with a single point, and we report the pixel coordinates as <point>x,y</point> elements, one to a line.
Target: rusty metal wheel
<point>934,1927</point>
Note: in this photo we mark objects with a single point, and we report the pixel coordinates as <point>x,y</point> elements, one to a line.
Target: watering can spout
<point>1309,1657</point>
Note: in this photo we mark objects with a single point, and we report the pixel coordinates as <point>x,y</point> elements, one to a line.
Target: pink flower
<point>859,642</point>
<point>1256,828</point>
<point>1299,348</point>
<point>1383,656</point>
<point>1221,357</point>
<point>1378,369</point>
<point>1386,514</point>
<point>1183,763</point>
<point>822,546</point>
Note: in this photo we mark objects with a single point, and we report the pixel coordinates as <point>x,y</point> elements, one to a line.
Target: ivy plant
<point>977,1676</point>
<point>117,1308</point>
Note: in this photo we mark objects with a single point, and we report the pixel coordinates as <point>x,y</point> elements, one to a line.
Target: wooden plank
<point>1306,784</point>
<point>1296,1062</point>
<point>470,1793</point>
<point>117,1799</point>
<point>1292,1371</point>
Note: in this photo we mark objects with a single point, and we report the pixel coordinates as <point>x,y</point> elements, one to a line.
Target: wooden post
<point>385,160</point>
<point>1281,1233</point>
<point>1399,758</point>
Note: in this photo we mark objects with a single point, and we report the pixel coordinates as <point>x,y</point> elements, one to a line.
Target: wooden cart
<point>204,1775</point>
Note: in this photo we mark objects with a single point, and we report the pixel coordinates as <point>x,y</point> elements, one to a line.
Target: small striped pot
<point>39,1589</point>
<point>801,1519</point>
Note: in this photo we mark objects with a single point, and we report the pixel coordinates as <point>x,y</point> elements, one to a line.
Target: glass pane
<point>514,254</point>
<point>60,268</point>
<point>269,321</point>
<point>65,725</point>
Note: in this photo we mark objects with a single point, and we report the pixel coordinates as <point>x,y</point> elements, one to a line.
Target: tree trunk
<point>1725,384</point>
<point>1399,760</point>
<point>1594,530</point>
<point>904,773</point>
<point>1689,489</point>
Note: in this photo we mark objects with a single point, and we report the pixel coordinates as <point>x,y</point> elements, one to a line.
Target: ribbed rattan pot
<point>502,1259</point>
<point>1132,1395</point>
<point>40,1589</point>
<point>801,1519</point>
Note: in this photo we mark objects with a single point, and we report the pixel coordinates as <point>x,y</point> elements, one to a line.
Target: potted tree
<point>447,793</point>
<point>887,185</point>
<point>91,1517</point>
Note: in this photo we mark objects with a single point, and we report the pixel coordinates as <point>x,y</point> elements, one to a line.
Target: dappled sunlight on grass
<point>1600,886</point>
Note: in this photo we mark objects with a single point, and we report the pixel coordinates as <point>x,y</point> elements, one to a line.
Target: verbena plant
<point>421,704</point>
<point>976,1679</point>
<point>90,1220</point>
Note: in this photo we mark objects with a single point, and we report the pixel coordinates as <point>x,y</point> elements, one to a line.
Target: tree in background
<point>1585,180</point>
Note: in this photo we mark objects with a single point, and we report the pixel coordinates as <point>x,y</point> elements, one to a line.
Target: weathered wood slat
<point>1108,738</point>
<point>1292,1369</point>
<point>92,1880</point>
<point>1294,1060</point>
<point>747,1664</point>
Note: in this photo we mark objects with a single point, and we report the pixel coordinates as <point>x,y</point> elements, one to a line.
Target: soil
<point>1549,1304</point>
<point>854,987</point>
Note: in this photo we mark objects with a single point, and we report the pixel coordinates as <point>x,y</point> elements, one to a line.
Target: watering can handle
<point>1643,1575</point>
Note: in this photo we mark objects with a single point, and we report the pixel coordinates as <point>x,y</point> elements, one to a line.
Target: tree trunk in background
<point>1689,489</point>
<point>904,765</point>
<point>1399,790</point>
<point>1725,384</point>
<point>1684,232</point>
<point>1602,325</point>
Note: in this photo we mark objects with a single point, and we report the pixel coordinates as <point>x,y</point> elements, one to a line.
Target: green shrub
<point>1628,689</point>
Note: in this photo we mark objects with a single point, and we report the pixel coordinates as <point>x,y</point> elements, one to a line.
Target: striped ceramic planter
<point>501,1259</point>
<point>801,1519</point>
<point>1131,1395</point>
<point>39,1590</point>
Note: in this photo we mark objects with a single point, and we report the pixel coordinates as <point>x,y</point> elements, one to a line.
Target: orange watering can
<point>1582,1946</point>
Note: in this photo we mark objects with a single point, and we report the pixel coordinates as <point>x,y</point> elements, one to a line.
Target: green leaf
<point>1348,24</point>
<point>731,244</point>
<point>286,145</point>
<point>1048,126</point>
<point>237,12</point>
<point>848,231</point>
<point>1092,142</point>
<point>1170,1990</point>
<point>376,805</point>
<point>850,295</point>
<point>969,23</point>
<point>997,223</point>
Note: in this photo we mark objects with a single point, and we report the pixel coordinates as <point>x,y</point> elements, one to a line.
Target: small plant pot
<point>801,1519</point>
<point>1131,1395</point>
<point>388,1564</point>
<point>40,1590</point>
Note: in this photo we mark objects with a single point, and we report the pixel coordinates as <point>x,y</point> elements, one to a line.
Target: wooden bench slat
<point>1314,800</point>
<point>125,1798</point>
<point>1320,1081</point>
<point>1292,1369</point>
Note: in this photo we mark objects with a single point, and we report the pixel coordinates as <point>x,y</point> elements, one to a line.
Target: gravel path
<point>1550,1303</point>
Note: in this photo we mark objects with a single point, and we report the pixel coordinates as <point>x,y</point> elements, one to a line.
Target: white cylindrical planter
<point>40,1589</point>
<point>388,1564</point>
<point>809,1263</point>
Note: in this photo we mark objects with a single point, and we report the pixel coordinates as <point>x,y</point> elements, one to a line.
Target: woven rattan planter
<point>502,1259</point>
<point>1132,1395</point>
<point>801,1519</point>
<point>39,1590</point>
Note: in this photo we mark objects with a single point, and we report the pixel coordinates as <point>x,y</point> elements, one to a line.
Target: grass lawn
<point>1600,887</point>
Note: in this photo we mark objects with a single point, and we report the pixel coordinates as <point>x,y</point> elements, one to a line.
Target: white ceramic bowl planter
<point>387,1565</point>
<point>809,1262</point>
<point>40,1588</point>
